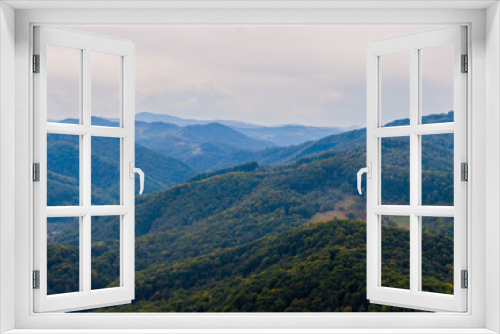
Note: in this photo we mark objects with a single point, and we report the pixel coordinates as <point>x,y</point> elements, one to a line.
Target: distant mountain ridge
<point>213,157</point>
<point>200,146</point>
<point>179,121</point>
<point>186,140</point>
<point>281,135</point>
<point>344,140</point>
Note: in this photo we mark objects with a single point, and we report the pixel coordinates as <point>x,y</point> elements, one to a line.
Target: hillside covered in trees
<point>270,237</point>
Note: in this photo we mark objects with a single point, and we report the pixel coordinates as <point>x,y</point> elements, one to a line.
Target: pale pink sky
<point>313,75</point>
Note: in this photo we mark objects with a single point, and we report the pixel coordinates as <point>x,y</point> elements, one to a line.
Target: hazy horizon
<point>263,75</point>
<point>248,123</point>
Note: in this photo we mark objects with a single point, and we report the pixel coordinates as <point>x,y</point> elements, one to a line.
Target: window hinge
<point>36,172</point>
<point>465,64</point>
<point>36,63</point>
<point>464,170</point>
<point>465,279</point>
<point>36,279</point>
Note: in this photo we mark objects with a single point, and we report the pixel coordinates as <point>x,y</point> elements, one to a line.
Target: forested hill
<point>317,267</point>
<point>235,207</point>
<point>270,238</point>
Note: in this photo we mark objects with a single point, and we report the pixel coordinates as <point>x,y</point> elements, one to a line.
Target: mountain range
<point>164,171</point>
<point>199,146</point>
<point>212,145</point>
<point>280,135</point>
<point>271,238</point>
<point>207,146</point>
<point>344,140</point>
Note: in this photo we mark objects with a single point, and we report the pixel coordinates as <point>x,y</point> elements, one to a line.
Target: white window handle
<point>139,171</point>
<point>368,171</point>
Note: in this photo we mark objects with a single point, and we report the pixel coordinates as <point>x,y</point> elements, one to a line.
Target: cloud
<point>264,74</point>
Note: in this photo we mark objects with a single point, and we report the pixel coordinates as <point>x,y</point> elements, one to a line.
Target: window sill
<point>250,331</point>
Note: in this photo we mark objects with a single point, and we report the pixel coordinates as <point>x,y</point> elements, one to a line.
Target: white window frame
<point>483,21</point>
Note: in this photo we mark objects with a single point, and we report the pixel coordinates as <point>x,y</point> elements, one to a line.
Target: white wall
<point>23,157</point>
<point>492,164</point>
<point>7,161</point>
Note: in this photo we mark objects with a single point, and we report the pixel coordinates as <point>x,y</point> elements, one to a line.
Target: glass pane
<point>105,252</point>
<point>106,86</point>
<point>396,251</point>
<point>395,89</point>
<point>437,84</point>
<point>63,84</point>
<point>105,170</point>
<point>63,255</point>
<point>63,169</point>
<point>395,164</point>
<point>437,254</point>
<point>437,169</point>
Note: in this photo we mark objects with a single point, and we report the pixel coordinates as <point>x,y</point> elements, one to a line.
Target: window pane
<point>437,169</point>
<point>396,252</point>
<point>63,255</point>
<point>105,170</point>
<point>63,84</point>
<point>437,254</point>
<point>105,252</point>
<point>395,170</point>
<point>395,89</point>
<point>437,84</point>
<point>106,86</point>
<point>63,169</point>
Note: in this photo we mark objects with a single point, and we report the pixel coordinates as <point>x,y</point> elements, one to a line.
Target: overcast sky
<point>313,75</point>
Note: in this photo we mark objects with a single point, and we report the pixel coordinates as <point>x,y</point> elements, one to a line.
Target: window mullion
<point>81,231</point>
<point>85,167</point>
<point>86,119</point>
<point>85,261</point>
<point>415,251</point>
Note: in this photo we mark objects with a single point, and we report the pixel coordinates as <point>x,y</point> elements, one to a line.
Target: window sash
<point>86,297</point>
<point>414,297</point>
